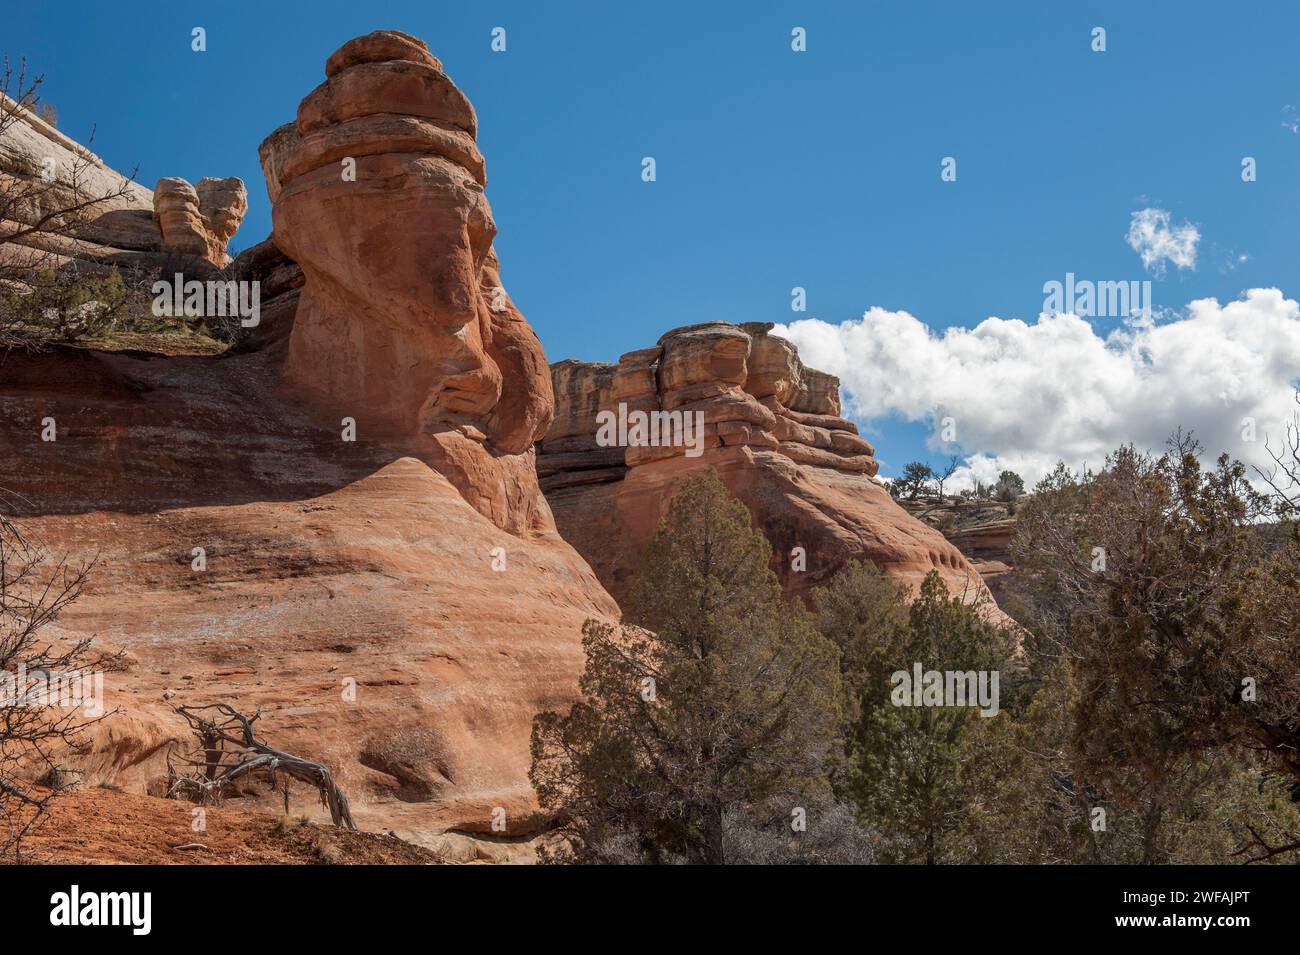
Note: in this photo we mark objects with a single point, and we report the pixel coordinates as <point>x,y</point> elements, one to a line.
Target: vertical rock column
<point>377,191</point>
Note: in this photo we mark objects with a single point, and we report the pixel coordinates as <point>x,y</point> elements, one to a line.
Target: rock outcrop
<point>988,547</point>
<point>981,528</point>
<point>771,428</point>
<point>378,194</point>
<point>127,225</point>
<point>400,605</point>
<point>200,220</point>
<point>53,172</point>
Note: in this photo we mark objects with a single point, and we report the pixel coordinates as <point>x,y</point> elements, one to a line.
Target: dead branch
<point>228,750</point>
<point>1283,476</point>
<point>1260,850</point>
<point>36,732</point>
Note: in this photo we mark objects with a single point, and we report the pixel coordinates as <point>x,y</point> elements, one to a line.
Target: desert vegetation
<point>37,728</point>
<point>103,309</point>
<point>710,722</point>
<point>1149,690</point>
<point>1163,608</point>
<point>49,296</point>
<point>920,481</point>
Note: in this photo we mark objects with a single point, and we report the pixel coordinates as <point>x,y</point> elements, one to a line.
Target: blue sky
<point>775,169</point>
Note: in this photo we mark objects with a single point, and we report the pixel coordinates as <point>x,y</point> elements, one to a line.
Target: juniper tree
<point>859,610</point>
<point>904,762</point>
<point>707,721</point>
<point>1038,806</point>
<point>1174,609</point>
<point>1009,487</point>
<point>915,480</point>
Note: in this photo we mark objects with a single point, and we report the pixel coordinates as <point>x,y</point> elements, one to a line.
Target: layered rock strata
<point>126,225</point>
<point>774,433</point>
<point>390,592</point>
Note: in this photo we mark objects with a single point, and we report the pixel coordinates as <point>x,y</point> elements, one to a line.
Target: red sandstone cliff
<point>418,565</point>
<point>773,432</point>
<point>401,605</point>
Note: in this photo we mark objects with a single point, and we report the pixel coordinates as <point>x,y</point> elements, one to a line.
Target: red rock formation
<point>377,193</point>
<point>131,228</point>
<point>773,432</point>
<point>988,547</point>
<point>199,220</point>
<point>222,204</point>
<point>280,282</point>
<point>419,563</point>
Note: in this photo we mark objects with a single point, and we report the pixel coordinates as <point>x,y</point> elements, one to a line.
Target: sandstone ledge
<point>772,430</point>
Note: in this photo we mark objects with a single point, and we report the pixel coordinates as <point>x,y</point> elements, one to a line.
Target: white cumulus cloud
<point>1023,396</point>
<point>1157,241</point>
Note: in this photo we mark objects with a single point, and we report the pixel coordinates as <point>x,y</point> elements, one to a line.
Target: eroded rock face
<point>326,565</point>
<point>988,547</point>
<point>176,210</point>
<point>417,567</point>
<point>772,430</point>
<point>32,150</point>
<point>200,220</point>
<point>123,230</point>
<point>223,203</point>
<point>377,192</point>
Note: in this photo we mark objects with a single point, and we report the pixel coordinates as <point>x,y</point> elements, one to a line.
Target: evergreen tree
<point>904,762</point>
<point>708,721</point>
<point>915,480</point>
<point>1154,585</point>
<point>1009,487</point>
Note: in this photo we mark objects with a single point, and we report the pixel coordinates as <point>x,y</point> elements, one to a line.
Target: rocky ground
<point>105,826</point>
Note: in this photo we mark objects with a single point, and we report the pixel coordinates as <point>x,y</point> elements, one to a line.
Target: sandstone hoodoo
<point>200,220</point>
<point>771,428</point>
<point>377,192</point>
<point>400,605</point>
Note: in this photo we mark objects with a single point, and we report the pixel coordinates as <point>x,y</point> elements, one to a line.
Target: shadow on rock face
<point>338,523</point>
<point>138,434</point>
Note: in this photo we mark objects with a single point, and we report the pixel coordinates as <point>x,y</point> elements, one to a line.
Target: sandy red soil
<point>105,827</point>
